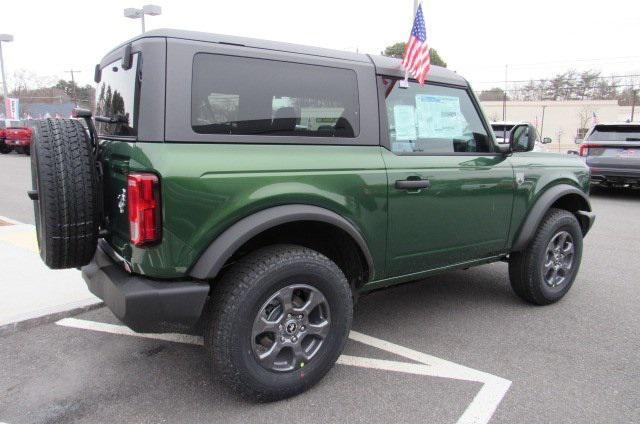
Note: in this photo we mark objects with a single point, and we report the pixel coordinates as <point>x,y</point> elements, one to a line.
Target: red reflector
<point>143,202</point>
<point>584,148</point>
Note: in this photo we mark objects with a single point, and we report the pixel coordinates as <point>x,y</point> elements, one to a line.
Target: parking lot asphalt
<point>574,361</point>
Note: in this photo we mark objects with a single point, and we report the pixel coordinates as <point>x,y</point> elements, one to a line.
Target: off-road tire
<point>238,297</point>
<point>525,267</point>
<point>63,174</point>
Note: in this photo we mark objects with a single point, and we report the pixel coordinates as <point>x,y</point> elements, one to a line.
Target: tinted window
<point>235,95</point>
<point>117,98</point>
<point>615,133</point>
<point>433,119</point>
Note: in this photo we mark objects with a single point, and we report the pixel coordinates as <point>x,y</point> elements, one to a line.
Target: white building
<point>562,119</point>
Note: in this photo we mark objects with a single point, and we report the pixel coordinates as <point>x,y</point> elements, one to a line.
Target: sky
<point>476,38</point>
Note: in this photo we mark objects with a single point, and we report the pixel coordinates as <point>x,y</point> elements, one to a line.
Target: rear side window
<point>117,98</point>
<point>237,95</point>
<point>615,133</point>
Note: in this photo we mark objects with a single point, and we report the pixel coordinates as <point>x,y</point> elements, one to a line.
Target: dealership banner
<point>12,106</point>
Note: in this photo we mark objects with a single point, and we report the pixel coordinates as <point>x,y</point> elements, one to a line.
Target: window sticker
<point>402,147</point>
<point>405,122</point>
<point>439,116</point>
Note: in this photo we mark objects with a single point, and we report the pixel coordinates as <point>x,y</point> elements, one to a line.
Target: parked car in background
<point>4,149</point>
<point>612,152</point>
<point>19,139</point>
<point>502,129</point>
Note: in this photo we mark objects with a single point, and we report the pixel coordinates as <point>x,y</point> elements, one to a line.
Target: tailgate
<point>619,156</point>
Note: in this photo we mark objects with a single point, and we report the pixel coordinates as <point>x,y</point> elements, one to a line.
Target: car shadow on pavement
<point>615,193</point>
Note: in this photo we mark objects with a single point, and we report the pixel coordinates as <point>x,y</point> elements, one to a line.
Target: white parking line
<point>9,221</point>
<point>480,410</point>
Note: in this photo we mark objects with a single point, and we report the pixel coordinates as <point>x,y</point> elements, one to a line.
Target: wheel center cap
<point>291,327</point>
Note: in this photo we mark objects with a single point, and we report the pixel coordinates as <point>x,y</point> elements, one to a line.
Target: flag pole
<point>405,83</point>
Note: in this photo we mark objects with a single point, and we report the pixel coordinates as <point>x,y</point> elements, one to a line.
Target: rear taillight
<point>143,202</point>
<point>584,148</point>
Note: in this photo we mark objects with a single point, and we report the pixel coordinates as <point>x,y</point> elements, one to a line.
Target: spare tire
<point>65,193</point>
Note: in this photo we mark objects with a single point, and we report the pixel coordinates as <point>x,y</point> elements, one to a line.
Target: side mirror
<point>522,138</point>
<point>546,140</point>
<point>504,148</point>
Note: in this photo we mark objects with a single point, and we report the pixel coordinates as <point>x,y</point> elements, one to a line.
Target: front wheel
<point>545,270</point>
<point>4,149</point>
<point>280,319</point>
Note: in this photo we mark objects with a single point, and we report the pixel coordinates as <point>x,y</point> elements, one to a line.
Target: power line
<point>563,89</point>
<point>577,78</point>
<point>518,65</point>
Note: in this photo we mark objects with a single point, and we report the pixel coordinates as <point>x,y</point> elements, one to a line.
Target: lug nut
<point>302,328</point>
<point>294,339</point>
<point>288,315</point>
<point>300,316</point>
<point>280,327</point>
<point>282,339</point>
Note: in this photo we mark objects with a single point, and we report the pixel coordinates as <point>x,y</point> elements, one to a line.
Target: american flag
<point>417,60</point>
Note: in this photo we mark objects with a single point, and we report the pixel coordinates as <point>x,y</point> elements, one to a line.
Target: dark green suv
<point>255,189</point>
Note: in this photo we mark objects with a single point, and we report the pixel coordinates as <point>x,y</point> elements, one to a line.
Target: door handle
<point>412,184</point>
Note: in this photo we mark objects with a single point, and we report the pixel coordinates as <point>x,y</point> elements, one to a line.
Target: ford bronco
<point>255,189</point>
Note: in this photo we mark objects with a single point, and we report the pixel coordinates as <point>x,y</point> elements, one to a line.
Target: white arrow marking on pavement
<point>480,410</point>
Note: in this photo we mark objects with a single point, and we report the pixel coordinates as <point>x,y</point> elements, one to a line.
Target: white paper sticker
<point>405,122</point>
<point>439,116</point>
<point>402,147</point>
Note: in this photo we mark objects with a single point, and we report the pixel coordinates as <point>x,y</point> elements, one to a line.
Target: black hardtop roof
<point>384,65</point>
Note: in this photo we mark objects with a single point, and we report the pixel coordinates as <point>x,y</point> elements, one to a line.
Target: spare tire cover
<point>65,193</point>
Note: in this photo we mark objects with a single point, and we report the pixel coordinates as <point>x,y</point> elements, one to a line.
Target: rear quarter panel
<point>207,187</point>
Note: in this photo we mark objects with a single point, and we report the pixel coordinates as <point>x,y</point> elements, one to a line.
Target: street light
<point>6,38</point>
<point>148,9</point>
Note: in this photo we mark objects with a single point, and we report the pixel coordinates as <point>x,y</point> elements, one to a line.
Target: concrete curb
<point>48,315</point>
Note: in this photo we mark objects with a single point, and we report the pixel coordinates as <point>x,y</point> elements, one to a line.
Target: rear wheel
<point>545,271</point>
<point>280,319</point>
<point>65,193</point>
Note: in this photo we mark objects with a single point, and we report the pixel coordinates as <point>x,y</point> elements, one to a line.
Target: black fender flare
<point>542,205</point>
<point>227,243</point>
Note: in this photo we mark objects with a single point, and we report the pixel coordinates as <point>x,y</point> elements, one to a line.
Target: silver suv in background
<point>612,152</point>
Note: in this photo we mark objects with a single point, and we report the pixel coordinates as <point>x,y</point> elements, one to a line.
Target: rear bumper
<point>18,143</point>
<point>144,305</point>
<point>601,175</point>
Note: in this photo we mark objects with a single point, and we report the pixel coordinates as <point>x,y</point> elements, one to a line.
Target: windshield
<point>615,133</point>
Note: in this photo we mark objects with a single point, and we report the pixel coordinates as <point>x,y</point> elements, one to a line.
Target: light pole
<point>148,9</point>
<point>73,84</point>
<point>6,38</point>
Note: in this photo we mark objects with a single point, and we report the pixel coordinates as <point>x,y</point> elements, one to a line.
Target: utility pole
<point>504,95</point>
<point>4,38</point>
<point>633,103</point>
<point>542,123</point>
<point>73,83</point>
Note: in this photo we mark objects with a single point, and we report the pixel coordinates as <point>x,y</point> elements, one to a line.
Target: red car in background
<point>18,138</point>
<point>4,149</point>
